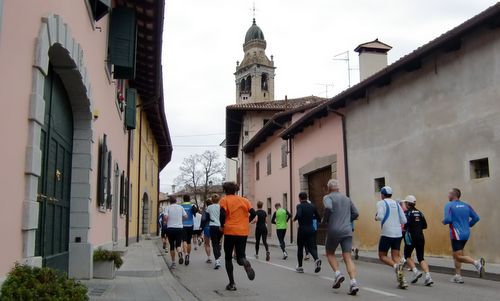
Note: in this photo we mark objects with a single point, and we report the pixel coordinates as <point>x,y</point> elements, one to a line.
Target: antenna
<point>326,85</point>
<point>253,9</point>
<point>344,56</point>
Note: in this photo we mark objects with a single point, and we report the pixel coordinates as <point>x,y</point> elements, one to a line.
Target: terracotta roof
<point>447,42</point>
<point>235,113</point>
<point>149,79</point>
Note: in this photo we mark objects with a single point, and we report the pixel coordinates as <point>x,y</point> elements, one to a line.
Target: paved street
<point>277,280</point>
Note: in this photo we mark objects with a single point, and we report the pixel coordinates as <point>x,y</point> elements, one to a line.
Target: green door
<point>54,184</point>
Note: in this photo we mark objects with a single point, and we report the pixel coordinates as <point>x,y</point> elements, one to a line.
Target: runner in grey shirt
<point>340,212</point>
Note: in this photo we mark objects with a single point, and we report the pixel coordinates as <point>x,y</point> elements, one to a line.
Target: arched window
<point>242,86</point>
<point>248,84</point>
<point>264,85</point>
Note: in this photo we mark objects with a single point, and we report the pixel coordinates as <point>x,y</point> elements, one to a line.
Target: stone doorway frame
<point>315,165</point>
<point>56,45</point>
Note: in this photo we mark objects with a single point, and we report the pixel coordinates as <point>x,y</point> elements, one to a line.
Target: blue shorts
<point>206,232</point>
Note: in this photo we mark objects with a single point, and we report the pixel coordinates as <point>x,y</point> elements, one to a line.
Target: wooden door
<point>317,182</point>
<point>56,143</point>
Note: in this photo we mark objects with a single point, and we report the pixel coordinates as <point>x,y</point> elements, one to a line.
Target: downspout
<point>127,226</point>
<point>139,177</point>
<point>158,202</point>
<point>242,166</point>
<point>291,185</point>
<point>344,139</point>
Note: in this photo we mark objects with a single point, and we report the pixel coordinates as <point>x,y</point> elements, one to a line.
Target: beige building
<point>424,124</point>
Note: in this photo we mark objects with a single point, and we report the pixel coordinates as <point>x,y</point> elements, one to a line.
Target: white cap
<point>410,199</point>
<point>386,190</point>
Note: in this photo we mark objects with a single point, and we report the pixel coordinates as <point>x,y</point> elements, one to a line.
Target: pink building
<point>70,74</point>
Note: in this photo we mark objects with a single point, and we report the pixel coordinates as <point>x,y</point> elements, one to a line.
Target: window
<point>257,170</point>
<point>379,183</point>
<point>285,201</point>
<point>284,154</point>
<point>264,82</point>
<point>269,164</point>
<point>269,206</point>
<point>479,168</point>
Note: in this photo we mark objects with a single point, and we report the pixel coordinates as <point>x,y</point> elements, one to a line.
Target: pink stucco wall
<point>21,21</point>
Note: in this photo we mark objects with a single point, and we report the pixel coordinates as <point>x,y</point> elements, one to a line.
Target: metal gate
<point>56,143</point>
<point>317,183</point>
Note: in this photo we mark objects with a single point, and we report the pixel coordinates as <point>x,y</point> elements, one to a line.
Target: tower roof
<point>373,46</point>
<point>254,33</point>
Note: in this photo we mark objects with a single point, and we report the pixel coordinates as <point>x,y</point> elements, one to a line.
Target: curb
<point>433,268</point>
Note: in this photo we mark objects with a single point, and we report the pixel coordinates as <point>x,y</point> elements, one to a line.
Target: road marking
<point>376,291</point>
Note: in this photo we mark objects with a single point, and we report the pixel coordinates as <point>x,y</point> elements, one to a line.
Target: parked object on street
<point>461,218</point>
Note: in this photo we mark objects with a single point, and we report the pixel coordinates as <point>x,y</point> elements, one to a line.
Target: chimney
<point>372,58</point>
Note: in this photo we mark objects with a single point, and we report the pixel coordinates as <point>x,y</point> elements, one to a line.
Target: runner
<point>235,215</point>
<point>191,209</point>
<point>391,216</point>
<point>197,230</point>
<point>261,231</point>
<point>315,235</point>
<point>162,222</point>
<point>340,214</point>
<point>174,215</point>
<point>461,217</point>
<point>414,240</point>
<point>306,213</point>
<point>280,219</point>
<point>205,221</point>
<point>215,229</point>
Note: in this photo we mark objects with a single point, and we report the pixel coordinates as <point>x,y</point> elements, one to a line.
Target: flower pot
<point>104,269</point>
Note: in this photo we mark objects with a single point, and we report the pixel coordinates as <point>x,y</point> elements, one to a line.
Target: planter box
<point>104,269</point>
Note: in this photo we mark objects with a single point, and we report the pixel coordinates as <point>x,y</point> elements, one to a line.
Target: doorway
<point>56,144</point>
<point>317,182</point>
<point>145,214</point>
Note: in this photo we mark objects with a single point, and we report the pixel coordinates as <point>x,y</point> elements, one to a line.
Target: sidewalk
<point>143,276</point>
<point>442,265</point>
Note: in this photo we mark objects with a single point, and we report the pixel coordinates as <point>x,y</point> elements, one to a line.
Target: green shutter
<point>122,193</point>
<point>130,119</point>
<point>109,194</point>
<point>122,42</point>
<point>102,173</point>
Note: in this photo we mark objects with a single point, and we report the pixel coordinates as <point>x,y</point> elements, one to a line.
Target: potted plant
<point>106,262</point>
<point>31,283</point>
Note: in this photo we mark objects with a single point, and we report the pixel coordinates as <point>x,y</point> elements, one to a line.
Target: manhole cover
<point>98,291</point>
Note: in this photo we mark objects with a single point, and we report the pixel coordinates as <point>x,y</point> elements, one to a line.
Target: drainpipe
<point>139,176</point>
<point>290,154</point>
<point>127,226</point>
<point>344,138</point>
<point>158,202</point>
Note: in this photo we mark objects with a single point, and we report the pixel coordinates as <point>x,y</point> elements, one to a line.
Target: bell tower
<point>255,74</point>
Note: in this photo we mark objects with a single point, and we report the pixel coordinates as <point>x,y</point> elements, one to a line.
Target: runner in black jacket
<point>306,213</point>
<point>415,240</point>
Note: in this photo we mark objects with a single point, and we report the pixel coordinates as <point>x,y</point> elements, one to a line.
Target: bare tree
<point>198,172</point>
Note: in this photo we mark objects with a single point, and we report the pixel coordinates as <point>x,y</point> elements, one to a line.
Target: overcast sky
<point>203,40</point>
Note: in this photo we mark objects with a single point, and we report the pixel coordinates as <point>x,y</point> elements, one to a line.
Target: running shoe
<point>209,261</point>
<point>353,289</point>
<point>231,287</point>
<point>200,242</point>
<point>181,258</point>
<point>416,276</point>
<point>186,261</point>
<point>299,270</point>
<point>457,279</point>
<point>249,270</point>
<point>217,264</point>
<point>338,281</point>
<point>482,268</point>
<point>428,281</point>
<point>268,256</point>
<point>356,255</point>
<point>400,277</point>
<point>172,266</point>
<point>307,257</point>
<point>403,284</point>
<point>317,263</point>
<point>285,255</point>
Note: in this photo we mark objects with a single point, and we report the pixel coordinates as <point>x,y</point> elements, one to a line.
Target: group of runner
<point>225,225</point>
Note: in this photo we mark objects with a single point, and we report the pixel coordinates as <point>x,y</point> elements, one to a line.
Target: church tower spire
<point>255,74</point>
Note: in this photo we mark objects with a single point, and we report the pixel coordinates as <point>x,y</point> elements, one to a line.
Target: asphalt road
<point>277,280</point>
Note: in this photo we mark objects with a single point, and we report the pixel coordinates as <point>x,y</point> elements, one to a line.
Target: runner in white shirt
<point>197,230</point>
<point>174,215</point>
<point>391,216</point>
<point>215,230</point>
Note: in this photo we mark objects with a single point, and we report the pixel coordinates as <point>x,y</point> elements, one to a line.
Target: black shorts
<point>197,232</point>
<point>418,246</point>
<point>458,245</point>
<point>175,237</point>
<point>386,243</point>
<point>164,232</point>
<point>188,235</point>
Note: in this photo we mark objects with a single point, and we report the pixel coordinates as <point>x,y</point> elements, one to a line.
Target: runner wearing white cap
<point>414,240</point>
<point>391,216</point>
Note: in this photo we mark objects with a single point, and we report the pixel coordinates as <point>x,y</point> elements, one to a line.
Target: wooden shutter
<point>257,170</point>
<point>284,154</point>
<point>102,172</point>
<point>122,42</point>
<point>269,164</point>
<point>130,110</point>
<point>122,193</point>
<point>127,195</point>
<point>109,195</point>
